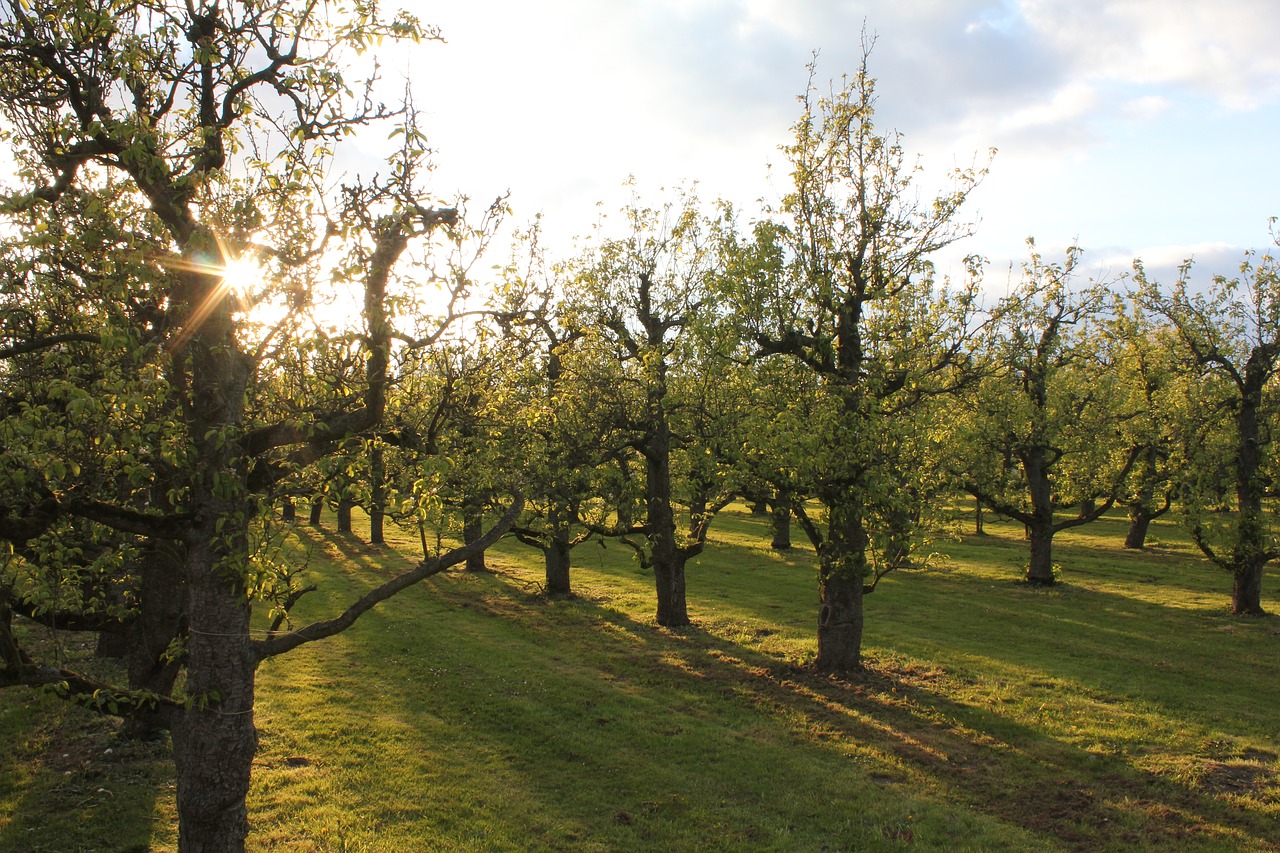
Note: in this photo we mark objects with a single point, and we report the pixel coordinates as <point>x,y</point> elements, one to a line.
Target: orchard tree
<point>1153,386</point>
<point>645,295</point>
<point>1044,430</point>
<point>216,121</point>
<point>1229,335</point>
<point>838,281</point>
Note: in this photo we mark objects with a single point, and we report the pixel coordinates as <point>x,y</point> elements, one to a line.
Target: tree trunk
<point>665,556</point>
<point>781,524</point>
<point>113,644</point>
<point>1040,529</point>
<point>625,517</point>
<point>841,571</point>
<point>1139,521</point>
<point>673,609</point>
<point>1087,506</point>
<point>473,529</point>
<point>288,510</point>
<point>1040,566</point>
<point>1249,555</point>
<point>214,740</point>
<point>213,745</point>
<point>344,515</point>
<point>557,552</point>
<point>978,529</point>
<point>557,565</point>
<point>377,495</point>
<point>759,506</point>
<point>161,613</point>
<point>1246,592</point>
<point>317,507</point>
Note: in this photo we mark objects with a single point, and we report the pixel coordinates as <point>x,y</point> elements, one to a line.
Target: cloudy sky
<point>1135,127</point>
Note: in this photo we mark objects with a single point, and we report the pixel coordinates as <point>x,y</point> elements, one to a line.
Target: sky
<point>1134,128</point>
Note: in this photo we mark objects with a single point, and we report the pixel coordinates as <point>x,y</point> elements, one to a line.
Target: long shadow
<point>1103,640</point>
<point>920,739</point>
<point>1013,772</point>
<point>76,775</point>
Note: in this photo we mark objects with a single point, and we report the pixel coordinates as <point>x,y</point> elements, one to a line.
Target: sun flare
<point>242,275</point>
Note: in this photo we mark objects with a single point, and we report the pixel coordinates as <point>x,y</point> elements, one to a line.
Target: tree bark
<point>317,507</point>
<point>473,529</point>
<point>161,614</point>
<point>1040,525</point>
<point>344,515</point>
<point>1040,566</point>
<point>1140,517</point>
<point>1250,554</point>
<point>557,565</point>
<point>841,571</point>
<point>668,575</point>
<point>214,741</point>
<point>557,551</point>
<point>288,509</point>
<point>665,555</point>
<point>978,524</point>
<point>113,644</point>
<point>377,495</point>
<point>1246,591</point>
<point>781,524</point>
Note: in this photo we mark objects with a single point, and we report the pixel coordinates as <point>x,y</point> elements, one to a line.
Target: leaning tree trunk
<point>842,568</point>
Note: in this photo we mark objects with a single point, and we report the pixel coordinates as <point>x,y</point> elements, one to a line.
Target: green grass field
<point>1122,710</point>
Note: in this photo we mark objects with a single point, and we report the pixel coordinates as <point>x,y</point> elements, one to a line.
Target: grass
<point>1122,710</point>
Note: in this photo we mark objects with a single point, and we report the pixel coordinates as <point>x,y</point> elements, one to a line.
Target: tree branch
<point>282,643</point>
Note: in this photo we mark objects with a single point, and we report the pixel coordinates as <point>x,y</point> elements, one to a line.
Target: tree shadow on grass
<point>72,782</point>
<point>957,752</point>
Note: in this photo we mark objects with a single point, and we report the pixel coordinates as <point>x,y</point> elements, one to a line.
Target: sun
<point>242,275</point>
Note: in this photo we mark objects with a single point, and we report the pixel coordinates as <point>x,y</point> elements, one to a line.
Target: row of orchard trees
<point>152,415</point>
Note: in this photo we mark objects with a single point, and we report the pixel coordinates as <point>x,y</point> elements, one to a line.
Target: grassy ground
<point>1121,710</point>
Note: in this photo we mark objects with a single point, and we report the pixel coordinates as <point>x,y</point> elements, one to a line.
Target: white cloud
<point>1224,48</point>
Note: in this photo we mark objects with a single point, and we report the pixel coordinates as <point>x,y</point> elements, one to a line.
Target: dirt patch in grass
<point>1237,777</point>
